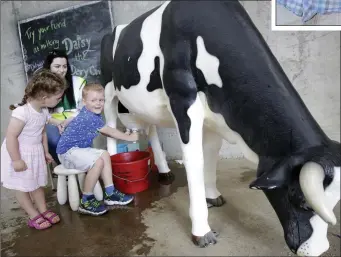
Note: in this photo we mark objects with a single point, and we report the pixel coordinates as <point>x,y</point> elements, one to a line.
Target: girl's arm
<point>45,144</point>
<point>14,129</point>
<point>54,121</point>
<point>48,156</point>
<point>67,121</point>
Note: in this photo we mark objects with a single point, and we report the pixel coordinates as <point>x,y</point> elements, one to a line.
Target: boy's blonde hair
<point>91,87</point>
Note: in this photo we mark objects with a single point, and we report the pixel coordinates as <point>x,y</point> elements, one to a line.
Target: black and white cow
<point>204,68</point>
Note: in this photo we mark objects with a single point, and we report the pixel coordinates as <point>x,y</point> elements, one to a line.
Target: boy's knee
<point>105,155</point>
<point>99,163</point>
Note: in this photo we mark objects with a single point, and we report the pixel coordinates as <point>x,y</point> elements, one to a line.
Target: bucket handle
<point>135,179</point>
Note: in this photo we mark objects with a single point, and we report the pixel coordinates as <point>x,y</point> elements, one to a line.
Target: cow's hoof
<point>203,241</point>
<point>217,202</point>
<point>166,178</point>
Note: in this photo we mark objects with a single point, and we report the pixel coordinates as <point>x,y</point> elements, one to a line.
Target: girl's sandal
<point>52,217</point>
<point>39,223</point>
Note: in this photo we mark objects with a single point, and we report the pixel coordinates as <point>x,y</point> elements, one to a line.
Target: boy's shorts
<point>80,158</point>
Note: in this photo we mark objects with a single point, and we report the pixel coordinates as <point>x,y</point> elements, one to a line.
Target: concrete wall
<point>310,59</point>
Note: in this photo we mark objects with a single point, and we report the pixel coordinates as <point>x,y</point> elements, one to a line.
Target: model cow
<point>204,68</point>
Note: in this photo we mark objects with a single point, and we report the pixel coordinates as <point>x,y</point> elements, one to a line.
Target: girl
<point>24,152</point>
<point>57,61</point>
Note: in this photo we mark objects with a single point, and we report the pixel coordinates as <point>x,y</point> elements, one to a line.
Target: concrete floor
<point>157,223</point>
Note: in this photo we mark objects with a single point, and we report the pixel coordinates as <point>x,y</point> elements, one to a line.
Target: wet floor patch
<point>115,233</point>
<point>247,175</point>
<point>158,223</point>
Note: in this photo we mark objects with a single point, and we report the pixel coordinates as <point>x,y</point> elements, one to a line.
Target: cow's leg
<point>188,113</point>
<point>110,112</point>
<point>212,143</point>
<point>165,175</point>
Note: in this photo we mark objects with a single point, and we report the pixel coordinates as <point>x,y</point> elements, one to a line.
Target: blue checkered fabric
<point>307,9</point>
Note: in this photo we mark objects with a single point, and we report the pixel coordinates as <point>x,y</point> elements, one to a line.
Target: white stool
<point>72,186</point>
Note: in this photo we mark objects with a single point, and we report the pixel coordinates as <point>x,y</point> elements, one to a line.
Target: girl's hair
<point>47,65</point>
<point>42,82</point>
<point>91,87</point>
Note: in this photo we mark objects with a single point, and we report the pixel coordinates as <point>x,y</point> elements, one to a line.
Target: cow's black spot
<point>128,52</point>
<point>122,108</point>
<point>155,79</point>
<point>106,60</point>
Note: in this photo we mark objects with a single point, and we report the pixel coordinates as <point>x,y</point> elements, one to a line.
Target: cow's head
<point>303,190</point>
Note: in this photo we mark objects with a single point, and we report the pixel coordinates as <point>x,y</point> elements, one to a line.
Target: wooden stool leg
<point>61,189</point>
<point>73,192</point>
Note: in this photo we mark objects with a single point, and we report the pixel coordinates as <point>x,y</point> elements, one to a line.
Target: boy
<point>75,152</point>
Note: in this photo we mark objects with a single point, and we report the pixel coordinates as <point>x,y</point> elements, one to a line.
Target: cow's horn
<point>311,182</point>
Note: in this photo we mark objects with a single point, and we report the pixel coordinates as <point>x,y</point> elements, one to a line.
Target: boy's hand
<point>117,134</point>
<point>134,136</point>
<point>48,158</point>
<point>19,165</point>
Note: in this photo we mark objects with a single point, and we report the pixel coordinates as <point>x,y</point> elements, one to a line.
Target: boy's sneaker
<point>92,207</point>
<point>117,198</point>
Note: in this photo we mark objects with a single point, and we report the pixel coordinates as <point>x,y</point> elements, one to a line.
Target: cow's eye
<point>305,205</point>
<point>296,196</point>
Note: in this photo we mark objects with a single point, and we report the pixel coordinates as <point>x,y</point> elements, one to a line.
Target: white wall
<point>310,59</point>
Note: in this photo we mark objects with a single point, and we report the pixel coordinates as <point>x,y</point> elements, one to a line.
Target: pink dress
<point>31,150</point>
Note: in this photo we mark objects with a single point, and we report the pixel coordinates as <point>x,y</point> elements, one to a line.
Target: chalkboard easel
<point>78,30</point>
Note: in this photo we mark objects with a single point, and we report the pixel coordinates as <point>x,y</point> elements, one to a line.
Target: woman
<point>57,61</point>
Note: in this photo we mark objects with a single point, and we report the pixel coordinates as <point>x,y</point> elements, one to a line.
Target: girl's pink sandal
<point>37,222</point>
<point>49,215</point>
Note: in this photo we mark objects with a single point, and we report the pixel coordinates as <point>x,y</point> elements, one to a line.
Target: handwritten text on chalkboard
<point>77,30</point>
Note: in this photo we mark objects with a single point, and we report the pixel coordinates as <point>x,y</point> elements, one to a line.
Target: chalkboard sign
<point>78,30</point>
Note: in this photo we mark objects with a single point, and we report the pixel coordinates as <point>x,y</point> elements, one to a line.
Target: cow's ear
<point>278,175</point>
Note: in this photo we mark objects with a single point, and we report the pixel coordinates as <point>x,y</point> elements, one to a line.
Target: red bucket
<point>130,171</point>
